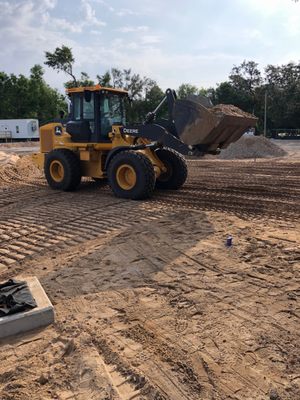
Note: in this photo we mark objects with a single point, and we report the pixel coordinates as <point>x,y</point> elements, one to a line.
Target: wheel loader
<point>95,141</point>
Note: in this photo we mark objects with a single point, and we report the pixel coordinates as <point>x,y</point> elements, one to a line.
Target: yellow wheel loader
<point>95,141</point>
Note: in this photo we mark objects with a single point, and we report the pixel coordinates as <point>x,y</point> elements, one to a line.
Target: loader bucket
<point>214,127</point>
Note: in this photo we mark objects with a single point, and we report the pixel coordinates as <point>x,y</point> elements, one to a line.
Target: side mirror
<point>87,95</point>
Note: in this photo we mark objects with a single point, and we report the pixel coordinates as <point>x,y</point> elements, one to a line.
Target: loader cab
<point>93,112</point>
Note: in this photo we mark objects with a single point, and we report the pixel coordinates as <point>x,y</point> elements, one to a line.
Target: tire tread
<point>147,168</point>
<point>176,181</point>
<point>73,173</point>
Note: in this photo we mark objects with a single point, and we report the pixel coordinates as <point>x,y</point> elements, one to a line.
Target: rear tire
<point>131,175</point>
<point>176,173</point>
<point>62,169</point>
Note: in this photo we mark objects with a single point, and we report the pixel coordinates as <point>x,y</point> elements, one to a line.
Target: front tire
<point>176,173</point>
<point>62,169</point>
<point>131,175</point>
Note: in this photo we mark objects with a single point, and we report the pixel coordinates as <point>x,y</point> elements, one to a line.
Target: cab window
<point>111,112</point>
<point>76,105</point>
<point>88,112</point>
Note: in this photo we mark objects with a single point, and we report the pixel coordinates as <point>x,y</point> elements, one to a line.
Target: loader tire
<point>131,175</point>
<point>176,173</point>
<point>62,170</point>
